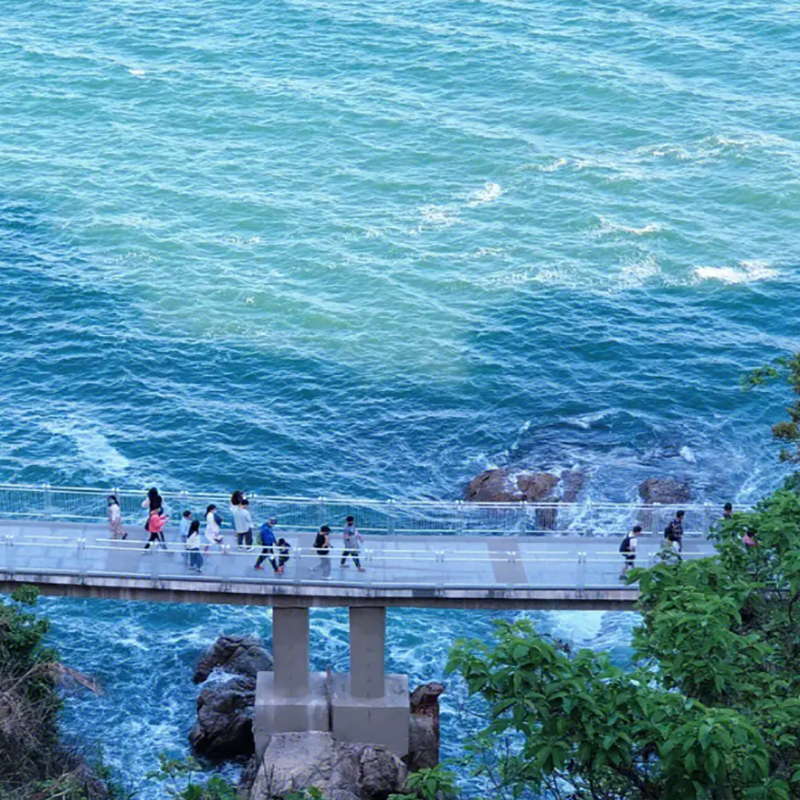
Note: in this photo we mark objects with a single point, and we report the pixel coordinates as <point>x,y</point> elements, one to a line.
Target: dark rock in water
<point>664,491</point>
<point>423,751</point>
<point>243,655</point>
<point>571,484</point>
<point>537,487</point>
<point>500,486</point>
<point>224,727</point>
<point>293,762</point>
<point>492,486</point>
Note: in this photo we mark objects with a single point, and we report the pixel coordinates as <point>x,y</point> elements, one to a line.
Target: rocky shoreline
<point>296,761</point>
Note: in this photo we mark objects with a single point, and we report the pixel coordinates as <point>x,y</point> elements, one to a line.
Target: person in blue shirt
<point>268,542</point>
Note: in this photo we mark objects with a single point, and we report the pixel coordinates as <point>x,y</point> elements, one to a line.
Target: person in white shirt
<point>193,546</point>
<point>115,519</point>
<point>213,533</point>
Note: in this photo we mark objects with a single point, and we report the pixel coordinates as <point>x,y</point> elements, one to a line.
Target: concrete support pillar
<point>367,652</point>
<point>290,651</point>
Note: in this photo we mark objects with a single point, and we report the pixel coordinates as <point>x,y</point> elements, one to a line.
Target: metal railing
<point>390,517</point>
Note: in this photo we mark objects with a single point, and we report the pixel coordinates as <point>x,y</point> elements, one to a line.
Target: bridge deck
<point>420,571</point>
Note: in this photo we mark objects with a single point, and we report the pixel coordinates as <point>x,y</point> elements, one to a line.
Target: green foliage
<point>178,776</point>
<point>787,430</point>
<point>711,710</point>
<point>435,783</point>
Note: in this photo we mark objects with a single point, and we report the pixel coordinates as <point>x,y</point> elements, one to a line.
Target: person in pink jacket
<point>155,525</point>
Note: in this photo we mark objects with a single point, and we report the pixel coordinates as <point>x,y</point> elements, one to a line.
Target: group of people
<point>276,550</point>
<point>673,535</point>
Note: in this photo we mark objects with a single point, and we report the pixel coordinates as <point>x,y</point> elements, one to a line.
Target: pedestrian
<point>183,530</point>
<point>322,544</point>
<point>268,542</point>
<point>193,546</point>
<point>242,521</point>
<point>727,511</point>
<point>749,538</point>
<point>282,551</point>
<point>628,549</point>
<point>352,541</point>
<point>153,502</point>
<point>155,526</point>
<point>674,533</point>
<point>115,519</point>
<point>213,532</point>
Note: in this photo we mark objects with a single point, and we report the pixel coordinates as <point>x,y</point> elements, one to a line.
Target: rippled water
<point>372,248</point>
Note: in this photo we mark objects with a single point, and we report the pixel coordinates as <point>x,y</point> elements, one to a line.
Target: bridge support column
<point>367,705</point>
<point>289,699</point>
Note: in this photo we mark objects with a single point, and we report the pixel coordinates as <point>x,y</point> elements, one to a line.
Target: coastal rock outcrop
<point>224,727</point>
<point>424,727</point>
<point>242,655</point>
<point>665,491</point>
<point>341,771</point>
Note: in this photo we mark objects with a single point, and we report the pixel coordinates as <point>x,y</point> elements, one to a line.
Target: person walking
<point>155,525</point>
<point>674,533</point>
<point>268,542</point>
<point>322,544</point>
<point>628,549</point>
<point>183,531</point>
<point>213,532</point>
<point>727,511</point>
<point>115,519</point>
<point>193,546</point>
<point>352,542</point>
<point>242,521</point>
<point>153,502</point>
<point>282,550</point>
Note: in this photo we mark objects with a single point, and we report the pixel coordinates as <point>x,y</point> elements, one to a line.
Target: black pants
<point>266,553</point>
<point>156,537</point>
<point>246,537</point>
<point>353,553</point>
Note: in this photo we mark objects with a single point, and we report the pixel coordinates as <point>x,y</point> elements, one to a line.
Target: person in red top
<point>155,525</point>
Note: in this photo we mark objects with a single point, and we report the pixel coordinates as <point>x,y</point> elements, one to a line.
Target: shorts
<point>630,559</point>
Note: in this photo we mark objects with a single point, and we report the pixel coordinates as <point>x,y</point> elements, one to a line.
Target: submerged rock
<point>293,762</point>
<point>501,486</point>
<point>242,655</point>
<point>665,491</point>
<point>224,727</point>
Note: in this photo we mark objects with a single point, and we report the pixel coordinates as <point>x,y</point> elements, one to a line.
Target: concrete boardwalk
<point>491,572</point>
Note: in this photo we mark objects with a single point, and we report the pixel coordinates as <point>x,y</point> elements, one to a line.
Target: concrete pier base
<point>378,720</point>
<point>277,713</point>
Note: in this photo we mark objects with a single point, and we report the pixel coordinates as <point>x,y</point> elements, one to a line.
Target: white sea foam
<point>586,421</point>
<point>137,73</point>
<point>744,272</point>
<point>635,273</point>
<point>488,194</point>
<point>687,454</point>
<point>93,446</point>
<point>609,226</point>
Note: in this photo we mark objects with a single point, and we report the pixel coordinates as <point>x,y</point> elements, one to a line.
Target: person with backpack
<point>673,533</point>
<point>628,549</point>
<point>267,536</point>
<point>352,542</point>
<point>282,550</point>
<point>153,502</point>
<point>322,545</point>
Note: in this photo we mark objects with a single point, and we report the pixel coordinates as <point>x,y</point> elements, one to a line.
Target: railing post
<point>581,571</point>
<point>390,521</point>
<point>81,557</point>
<point>9,554</point>
<point>522,523</point>
<point>706,517</point>
<point>48,501</point>
<point>459,517</point>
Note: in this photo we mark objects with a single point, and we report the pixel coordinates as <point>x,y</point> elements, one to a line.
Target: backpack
<point>625,544</point>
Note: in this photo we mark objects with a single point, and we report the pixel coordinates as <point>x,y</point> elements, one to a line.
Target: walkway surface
<point>490,572</point>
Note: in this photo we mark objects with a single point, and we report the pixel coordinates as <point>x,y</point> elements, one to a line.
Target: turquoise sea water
<point>373,248</point>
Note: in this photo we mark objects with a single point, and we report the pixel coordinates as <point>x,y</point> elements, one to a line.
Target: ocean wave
<point>610,226</point>
<point>488,194</point>
<point>92,445</point>
<point>744,272</point>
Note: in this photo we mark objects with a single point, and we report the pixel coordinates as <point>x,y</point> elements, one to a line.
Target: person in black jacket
<point>674,533</point>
